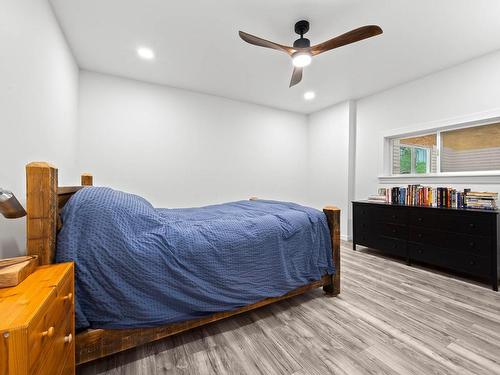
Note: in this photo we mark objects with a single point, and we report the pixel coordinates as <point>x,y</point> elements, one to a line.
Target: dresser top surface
<point>20,303</point>
<point>384,204</point>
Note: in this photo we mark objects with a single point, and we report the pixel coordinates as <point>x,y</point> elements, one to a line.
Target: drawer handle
<point>69,297</point>
<point>68,339</point>
<point>471,225</point>
<point>419,219</point>
<point>394,230</point>
<point>420,251</point>
<point>49,332</point>
<point>419,235</point>
<point>472,262</point>
<point>394,216</point>
<point>472,244</point>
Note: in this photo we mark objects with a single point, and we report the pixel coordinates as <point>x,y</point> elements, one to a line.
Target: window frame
<point>437,127</point>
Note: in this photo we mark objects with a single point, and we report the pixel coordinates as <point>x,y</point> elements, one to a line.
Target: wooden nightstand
<point>37,326</point>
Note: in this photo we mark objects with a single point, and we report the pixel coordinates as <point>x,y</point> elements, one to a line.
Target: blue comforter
<point>138,266</point>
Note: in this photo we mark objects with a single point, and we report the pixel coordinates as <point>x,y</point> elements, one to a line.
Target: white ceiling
<point>197,45</point>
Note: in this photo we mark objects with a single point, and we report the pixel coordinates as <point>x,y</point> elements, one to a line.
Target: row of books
<point>417,195</point>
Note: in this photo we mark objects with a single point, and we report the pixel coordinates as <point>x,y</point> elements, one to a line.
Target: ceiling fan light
<point>301,59</point>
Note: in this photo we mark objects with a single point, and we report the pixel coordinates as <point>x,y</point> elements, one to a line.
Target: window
<point>471,149</point>
<point>466,149</point>
<point>414,155</point>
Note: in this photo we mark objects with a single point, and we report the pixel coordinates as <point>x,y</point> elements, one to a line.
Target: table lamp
<point>10,207</point>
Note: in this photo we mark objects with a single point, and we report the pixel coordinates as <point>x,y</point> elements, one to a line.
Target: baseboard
<point>344,237</point>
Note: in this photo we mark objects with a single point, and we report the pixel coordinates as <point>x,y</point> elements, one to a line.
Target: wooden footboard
<point>333,217</point>
<point>44,200</point>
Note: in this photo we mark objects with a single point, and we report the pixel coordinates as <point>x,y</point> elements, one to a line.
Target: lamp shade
<point>10,207</point>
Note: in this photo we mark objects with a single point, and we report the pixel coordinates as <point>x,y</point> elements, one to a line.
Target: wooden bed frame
<point>44,200</point>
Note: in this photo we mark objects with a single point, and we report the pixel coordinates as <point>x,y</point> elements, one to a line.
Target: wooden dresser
<point>37,323</point>
<point>460,240</point>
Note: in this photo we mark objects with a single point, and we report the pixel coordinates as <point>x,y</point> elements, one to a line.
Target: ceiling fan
<point>302,52</point>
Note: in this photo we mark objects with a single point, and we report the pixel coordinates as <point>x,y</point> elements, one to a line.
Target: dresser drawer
<point>46,334</point>
<point>61,349</point>
<point>366,238</point>
<point>394,230</point>
<point>393,246</point>
<point>423,218</point>
<point>365,212</point>
<point>462,262</point>
<point>426,236</point>
<point>475,224</point>
<point>368,226</point>
<point>394,215</point>
<point>476,245</point>
<point>41,333</point>
<point>469,222</point>
<point>458,222</point>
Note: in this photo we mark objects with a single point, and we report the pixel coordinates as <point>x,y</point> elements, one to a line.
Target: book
<point>418,195</point>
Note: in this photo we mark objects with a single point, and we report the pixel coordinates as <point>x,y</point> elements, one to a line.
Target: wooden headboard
<point>44,199</point>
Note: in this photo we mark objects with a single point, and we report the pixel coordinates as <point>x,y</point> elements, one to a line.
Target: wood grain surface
<point>37,323</point>
<point>389,319</point>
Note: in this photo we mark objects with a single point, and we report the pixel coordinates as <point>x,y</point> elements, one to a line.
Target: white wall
<point>179,148</point>
<point>330,155</point>
<point>463,90</point>
<point>38,103</point>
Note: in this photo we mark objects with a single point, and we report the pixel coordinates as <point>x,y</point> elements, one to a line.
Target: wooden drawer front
<point>462,262</point>
<point>47,332</point>
<point>367,226</point>
<point>477,245</point>
<point>476,224</point>
<point>366,238</point>
<point>423,218</point>
<point>459,222</point>
<point>392,246</point>
<point>365,212</point>
<point>394,215</point>
<point>39,338</point>
<point>394,230</point>
<point>427,236</point>
<point>470,222</point>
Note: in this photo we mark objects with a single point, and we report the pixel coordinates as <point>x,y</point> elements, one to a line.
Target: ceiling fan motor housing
<point>302,27</point>
<point>302,43</point>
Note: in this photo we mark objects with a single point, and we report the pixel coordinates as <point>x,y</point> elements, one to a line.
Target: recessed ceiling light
<point>309,95</point>
<point>145,53</point>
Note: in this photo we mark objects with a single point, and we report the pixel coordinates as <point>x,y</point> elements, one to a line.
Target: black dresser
<point>460,240</point>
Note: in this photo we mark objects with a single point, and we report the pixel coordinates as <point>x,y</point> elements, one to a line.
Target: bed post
<point>41,208</point>
<point>333,218</point>
<point>87,179</point>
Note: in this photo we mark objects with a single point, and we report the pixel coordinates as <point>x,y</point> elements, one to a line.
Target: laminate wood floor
<point>389,319</point>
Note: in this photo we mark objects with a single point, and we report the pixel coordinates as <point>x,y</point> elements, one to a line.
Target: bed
<point>259,244</point>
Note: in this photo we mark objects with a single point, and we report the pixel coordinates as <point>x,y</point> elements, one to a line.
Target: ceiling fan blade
<point>256,41</point>
<point>350,37</point>
<point>296,76</point>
